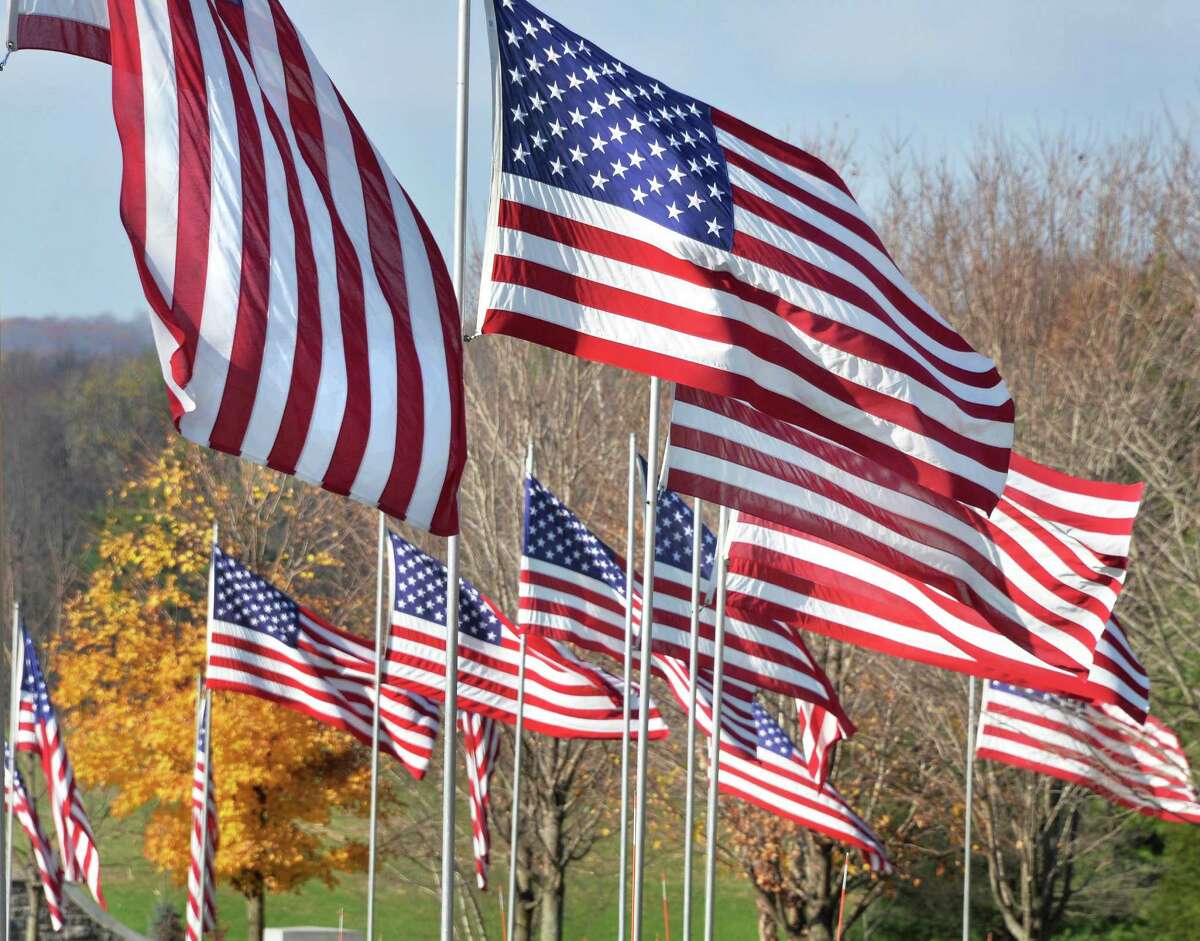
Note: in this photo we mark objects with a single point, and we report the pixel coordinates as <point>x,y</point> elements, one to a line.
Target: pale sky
<point>931,73</point>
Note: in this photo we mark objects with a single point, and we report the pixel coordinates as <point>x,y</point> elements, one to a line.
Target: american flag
<point>263,643</point>
<point>1030,580</point>
<point>303,314</point>
<point>1139,766</point>
<point>17,797</point>
<point>38,732</point>
<point>638,226</point>
<point>819,732</point>
<point>78,27</point>
<point>760,765</point>
<point>761,653</point>
<point>564,697</point>
<point>204,832</point>
<point>481,747</point>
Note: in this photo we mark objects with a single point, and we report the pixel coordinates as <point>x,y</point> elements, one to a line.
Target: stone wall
<point>78,924</point>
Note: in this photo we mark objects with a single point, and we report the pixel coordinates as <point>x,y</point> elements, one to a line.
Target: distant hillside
<point>86,337</point>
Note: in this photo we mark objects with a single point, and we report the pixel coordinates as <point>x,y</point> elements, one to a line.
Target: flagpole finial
<point>529,458</point>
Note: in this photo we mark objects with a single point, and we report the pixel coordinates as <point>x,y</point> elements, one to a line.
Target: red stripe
<point>60,34</point>
<point>1080,485</point>
<point>250,327</point>
<point>780,150</point>
<point>310,138</point>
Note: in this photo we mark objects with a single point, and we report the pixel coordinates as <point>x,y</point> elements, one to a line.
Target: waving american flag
<point>38,732</point>
<point>638,226</point>
<point>481,747</point>
<point>263,643</point>
<point>25,812</point>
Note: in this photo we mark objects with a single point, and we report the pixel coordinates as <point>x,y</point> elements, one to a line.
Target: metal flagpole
<point>689,802</point>
<point>450,704</point>
<point>966,906</point>
<point>17,655</point>
<point>644,669</point>
<point>518,746</point>
<point>627,678</point>
<point>380,660</point>
<point>714,752</point>
<point>842,901</point>
<point>204,697</point>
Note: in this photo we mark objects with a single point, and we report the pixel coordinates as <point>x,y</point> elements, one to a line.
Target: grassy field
<point>134,888</point>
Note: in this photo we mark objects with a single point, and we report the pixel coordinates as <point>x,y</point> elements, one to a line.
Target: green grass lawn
<point>404,913</point>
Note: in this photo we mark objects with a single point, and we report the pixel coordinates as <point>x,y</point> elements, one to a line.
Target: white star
<point>654,185</point>
<point>518,114</point>
<point>513,39</point>
<point>619,69</point>
<point>537,102</point>
<point>674,212</point>
<point>617,134</point>
<point>551,56</point>
<point>639,195</point>
<point>715,191</point>
<point>688,139</point>
<point>507,4</point>
<point>568,51</point>
<point>673,141</point>
<point>635,125</point>
<point>678,111</point>
<point>538,141</point>
<point>675,174</point>
<point>530,28</point>
<point>693,110</point>
<point>605,69</point>
<point>534,64</point>
<point>576,117</point>
<point>583,47</point>
<point>577,155</point>
<point>555,92</point>
<point>574,82</point>
<point>516,76</point>
<point>557,167</point>
<point>613,99</point>
<point>709,162</point>
<point>695,201</point>
<point>544,23</point>
<point>664,114</point>
<point>636,160</point>
<point>657,149</point>
<point>657,89</point>
<point>556,129</point>
<point>596,107</point>
<point>694,167</point>
<point>619,169</point>
<point>641,90</point>
<point>590,74</point>
<point>598,143</point>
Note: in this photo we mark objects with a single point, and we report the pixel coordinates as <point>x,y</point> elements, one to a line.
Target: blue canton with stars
<point>556,535</point>
<point>673,536</point>
<point>578,119</point>
<point>244,599</point>
<point>33,682</point>
<point>1035,695</point>
<point>770,736</point>
<point>420,592</point>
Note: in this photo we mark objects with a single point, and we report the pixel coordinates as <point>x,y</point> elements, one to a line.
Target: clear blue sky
<point>931,72</point>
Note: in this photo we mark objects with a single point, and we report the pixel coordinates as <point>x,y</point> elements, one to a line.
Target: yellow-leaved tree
<point>133,643</point>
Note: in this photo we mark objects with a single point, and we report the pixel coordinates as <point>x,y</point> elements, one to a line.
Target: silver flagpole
<point>627,678</point>
<point>205,697</point>
<point>689,803</point>
<point>17,655</point>
<point>515,833</point>
<point>380,660</point>
<point>714,752</point>
<point>644,668</point>
<point>967,814</point>
<point>450,704</point>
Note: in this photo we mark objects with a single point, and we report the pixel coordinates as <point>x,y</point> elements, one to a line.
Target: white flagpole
<point>380,660</point>
<point>17,655</point>
<point>204,697</point>
<point>714,753</point>
<point>689,803</point>
<point>644,667</point>
<point>967,813</point>
<point>450,704</point>
<point>515,833</point>
<point>627,678</point>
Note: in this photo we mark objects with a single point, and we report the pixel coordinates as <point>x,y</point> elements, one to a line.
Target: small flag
<point>481,746</point>
<point>204,832</point>
<point>43,853</point>
<point>263,643</point>
<point>1139,766</point>
<point>38,732</point>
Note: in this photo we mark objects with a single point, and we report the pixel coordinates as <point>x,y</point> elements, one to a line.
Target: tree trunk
<point>256,910</point>
<point>553,882</point>
<point>33,892</point>
<point>766,920</point>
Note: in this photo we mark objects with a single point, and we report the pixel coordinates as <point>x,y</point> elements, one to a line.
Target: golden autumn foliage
<point>133,643</point>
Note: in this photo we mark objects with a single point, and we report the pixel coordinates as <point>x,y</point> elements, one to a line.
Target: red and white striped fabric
<point>760,766</point>
<point>38,732</point>
<point>1031,581</point>
<point>303,314</point>
<point>204,832</point>
<point>820,731</point>
<point>564,697</point>
<point>653,232</point>
<point>290,656</point>
<point>481,746</point>
<point>814,585</point>
<point>49,872</point>
<point>1139,766</point>
<point>79,27</point>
